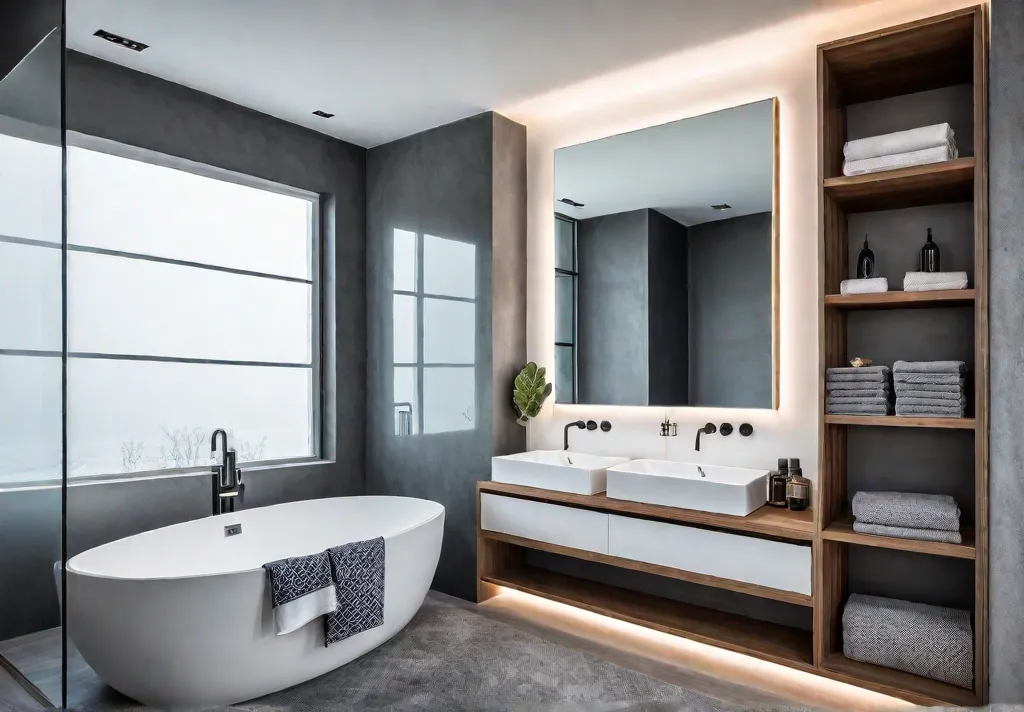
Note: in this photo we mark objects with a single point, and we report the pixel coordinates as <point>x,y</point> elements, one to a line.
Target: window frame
<point>573,274</point>
<point>420,365</point>
<point>315,238</point>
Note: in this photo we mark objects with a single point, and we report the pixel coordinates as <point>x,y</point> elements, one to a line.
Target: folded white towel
<point>873,285</point>
<point>900,160</point>
<point>898,142</point>
<point>934,281</point>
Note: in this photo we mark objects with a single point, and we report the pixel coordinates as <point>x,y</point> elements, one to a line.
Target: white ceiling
<point>680,169</point>
<point>391,68</point>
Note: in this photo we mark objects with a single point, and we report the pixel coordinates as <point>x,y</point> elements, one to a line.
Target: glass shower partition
<point>32,476</point>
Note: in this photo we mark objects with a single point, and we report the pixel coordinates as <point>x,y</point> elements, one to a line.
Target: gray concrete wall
<point>668,312</point>
<point>730,300</point>
<point>112,102</point>
<point>612,358</point>
<point>445,182</point>
<point>1006,319</point>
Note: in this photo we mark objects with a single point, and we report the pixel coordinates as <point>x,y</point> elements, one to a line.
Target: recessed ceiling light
<point>323,114</point>
<point>570,202</point>
<point>120,41</point>
<point>723,206</point>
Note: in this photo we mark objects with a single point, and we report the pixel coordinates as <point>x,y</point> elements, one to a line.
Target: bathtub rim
<point>69,569</point>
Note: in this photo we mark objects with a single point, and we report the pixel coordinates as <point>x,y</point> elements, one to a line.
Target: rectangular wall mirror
<point>666,264</point>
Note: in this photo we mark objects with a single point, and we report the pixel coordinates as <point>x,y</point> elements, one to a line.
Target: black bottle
<point>930,255</point>
<point>777,485</point>
<point>866,262</point>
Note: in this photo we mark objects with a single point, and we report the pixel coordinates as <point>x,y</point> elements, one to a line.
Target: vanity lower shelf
<point>920,690</point>
<point>768,641</point>
<point>842,530</point>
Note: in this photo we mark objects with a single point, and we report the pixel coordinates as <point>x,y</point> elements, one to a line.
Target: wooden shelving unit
<point>841,529</point>
<point>896,421</point>
<point>902,300</point>
<point>943,51</point>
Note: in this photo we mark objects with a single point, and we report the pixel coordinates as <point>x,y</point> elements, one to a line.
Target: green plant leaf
<point>530,392</point>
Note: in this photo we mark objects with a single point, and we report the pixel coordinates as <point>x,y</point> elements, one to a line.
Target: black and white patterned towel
<point>301,589</point>
<point>358,571</point>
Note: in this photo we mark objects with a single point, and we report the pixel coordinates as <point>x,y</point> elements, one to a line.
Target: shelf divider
<point>896,421</point>
<point>946,182</point>
<point>842,530</point>
<point>902,300</point>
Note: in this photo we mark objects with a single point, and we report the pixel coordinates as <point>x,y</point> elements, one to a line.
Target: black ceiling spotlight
<point>723,206</point>
<point>323,114</point>
<point>119,40</point>
<point>570,202</point>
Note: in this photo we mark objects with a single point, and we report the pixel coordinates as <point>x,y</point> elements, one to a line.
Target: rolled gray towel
<point>949,402</point>
<point>946,400</point>
<point>929,411</point>
<point>903,388</point>
<point>908,532</point>
<point>854,409</point>
<point>955,367</point>
<point>924,640</point>
<point>836,400</point>
<point>907,509</point>
<point>933,379</point>
<point>858,392</point>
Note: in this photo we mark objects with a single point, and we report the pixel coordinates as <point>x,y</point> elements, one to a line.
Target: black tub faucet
<point>227,478</point>
<point>708,429</point>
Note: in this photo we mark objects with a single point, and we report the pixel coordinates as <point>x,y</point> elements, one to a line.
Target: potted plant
<point>530,392</point>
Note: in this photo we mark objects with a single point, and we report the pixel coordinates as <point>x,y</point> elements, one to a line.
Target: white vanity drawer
<point>730,556</point>
<point>565,526</point>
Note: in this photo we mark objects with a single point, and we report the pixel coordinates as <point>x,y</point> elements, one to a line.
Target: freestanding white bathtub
<point>181,616</point>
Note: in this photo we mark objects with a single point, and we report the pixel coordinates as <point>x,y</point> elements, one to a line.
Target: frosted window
<point>130,416</point>
<point>30,195</point>
<point>449,399</point>
<point>449,267</point>
<point>564,376</point>
<point>405,261</point>
<point>30,422</point>
<point>30,289</point>
<point>126,306</point>
<point>405,328</point>
<point>132,206</point>
<point>449,331</point>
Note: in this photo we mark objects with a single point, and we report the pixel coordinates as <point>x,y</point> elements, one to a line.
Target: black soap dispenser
<point>866,262</point>
<point>930,255</point>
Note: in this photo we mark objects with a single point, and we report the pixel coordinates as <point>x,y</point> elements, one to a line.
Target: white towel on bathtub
<point>301,590</point>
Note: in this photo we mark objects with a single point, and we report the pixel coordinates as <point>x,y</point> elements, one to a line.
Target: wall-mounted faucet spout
<point>708,429</point>
<point>565,432</point>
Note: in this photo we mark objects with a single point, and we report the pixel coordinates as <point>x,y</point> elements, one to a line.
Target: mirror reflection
<point>664,244</point>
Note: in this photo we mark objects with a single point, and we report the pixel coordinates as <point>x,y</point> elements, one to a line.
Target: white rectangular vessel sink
<point>558,470</point>
<point>724,490</point>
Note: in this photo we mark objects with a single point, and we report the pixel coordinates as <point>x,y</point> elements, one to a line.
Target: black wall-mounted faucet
<point>708,429</point>
<point>565,431</point>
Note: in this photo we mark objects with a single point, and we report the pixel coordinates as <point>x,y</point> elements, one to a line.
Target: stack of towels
<point>934,281</point>
<point>932,641</point>
<point>927,517</point>
<point>916,147</point>
<point>858,391</point>
<point>930,389</point>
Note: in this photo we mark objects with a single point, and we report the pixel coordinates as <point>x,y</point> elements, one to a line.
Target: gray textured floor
<point>451,658</point>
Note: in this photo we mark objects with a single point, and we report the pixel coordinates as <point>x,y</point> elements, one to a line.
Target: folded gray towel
<point>872,374</point>
<point>916,397</point>
<point>908,388</point>
<point>934,399</point>
<point>928,367</point>
<point>858,392</point>
<point>934,379</point>
<point>929,411</point>
<point>907,509</point>
<point>858,409</point>
<point>874,400</point>
<point>924,640</point>
<point>908,533</point>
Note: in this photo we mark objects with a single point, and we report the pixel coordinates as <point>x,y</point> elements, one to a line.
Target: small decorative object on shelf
<point>930,255</point>
<point>866,262</point>
<point>530,392</point>
<point>777,480</point>
<point>668,428</point>
<point>860,362</point>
